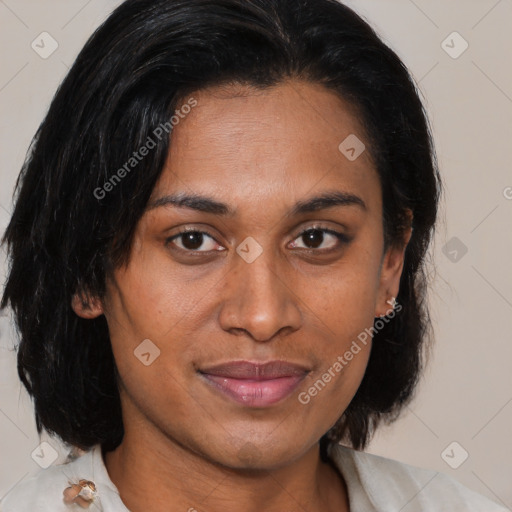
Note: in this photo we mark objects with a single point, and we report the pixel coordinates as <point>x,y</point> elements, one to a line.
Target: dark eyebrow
<point>326,200</point>
<point>192,201</point>
<point>205,204</point>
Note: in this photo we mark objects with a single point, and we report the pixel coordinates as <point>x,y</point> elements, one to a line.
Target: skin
<point>186,446</point>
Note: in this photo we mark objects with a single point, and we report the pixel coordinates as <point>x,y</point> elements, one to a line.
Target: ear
<point>390,273</point>
<point>86,306</point>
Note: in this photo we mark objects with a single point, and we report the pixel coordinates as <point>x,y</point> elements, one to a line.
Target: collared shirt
<point>375,484</point>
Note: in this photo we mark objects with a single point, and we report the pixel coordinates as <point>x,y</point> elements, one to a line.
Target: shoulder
<point>389,482</point>
<point>43,492</point>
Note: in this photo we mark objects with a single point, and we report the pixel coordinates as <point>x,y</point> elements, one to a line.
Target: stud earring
<point>392,302</point>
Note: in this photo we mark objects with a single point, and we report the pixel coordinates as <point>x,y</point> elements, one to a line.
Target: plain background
<point>466,393</point>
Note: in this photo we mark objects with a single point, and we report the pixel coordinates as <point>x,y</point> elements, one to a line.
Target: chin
<point>258,456</point>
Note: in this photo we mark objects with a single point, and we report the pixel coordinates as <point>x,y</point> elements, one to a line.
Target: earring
<point>392,302</point>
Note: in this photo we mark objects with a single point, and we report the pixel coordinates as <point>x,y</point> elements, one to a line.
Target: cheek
<point>329,391</point>
<point>345,304</point>
<point>344,354</point>
<point>152,314</point>
<point>345,297</point>
<point>151,359</point>
<point>151,298</point>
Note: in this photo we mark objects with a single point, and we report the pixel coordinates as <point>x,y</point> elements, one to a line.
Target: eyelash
<point>342,238</point>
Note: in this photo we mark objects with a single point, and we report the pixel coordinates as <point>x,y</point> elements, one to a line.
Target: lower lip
<point>255,393</point>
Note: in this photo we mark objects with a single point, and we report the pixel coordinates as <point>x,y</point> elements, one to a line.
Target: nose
<point>260,299</point>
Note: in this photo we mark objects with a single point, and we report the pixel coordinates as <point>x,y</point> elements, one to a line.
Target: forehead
<point>241,142</point>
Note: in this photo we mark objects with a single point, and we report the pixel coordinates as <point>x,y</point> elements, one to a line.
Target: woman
<point>217,258</point>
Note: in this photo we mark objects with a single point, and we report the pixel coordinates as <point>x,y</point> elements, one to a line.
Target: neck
<point>164,476</point>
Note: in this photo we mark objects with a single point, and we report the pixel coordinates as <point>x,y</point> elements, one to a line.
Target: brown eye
<point>313,238</point>
<point>320,238</point>
<point>194,241</point>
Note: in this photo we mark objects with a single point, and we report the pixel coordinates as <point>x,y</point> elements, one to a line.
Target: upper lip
<point>256,371</point>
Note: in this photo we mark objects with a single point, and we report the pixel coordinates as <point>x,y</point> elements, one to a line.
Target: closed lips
<point>255,384</point>
<point>256,371</point>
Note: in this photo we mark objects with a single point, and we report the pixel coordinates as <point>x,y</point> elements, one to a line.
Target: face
<point>263,273</point>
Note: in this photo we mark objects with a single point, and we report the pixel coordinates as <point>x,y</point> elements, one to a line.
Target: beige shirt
<point>375,484</point>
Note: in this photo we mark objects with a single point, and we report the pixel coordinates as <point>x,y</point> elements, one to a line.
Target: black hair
<point>129,79</point>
